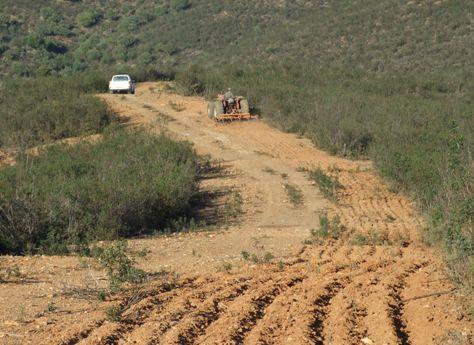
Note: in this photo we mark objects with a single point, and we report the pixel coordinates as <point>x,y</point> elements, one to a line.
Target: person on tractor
<point>228,100</point>
<point>228,94</point>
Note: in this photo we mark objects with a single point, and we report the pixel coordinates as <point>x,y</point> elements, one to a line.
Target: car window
<point>120,78</point>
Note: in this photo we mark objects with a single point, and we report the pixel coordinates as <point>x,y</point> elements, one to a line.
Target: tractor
<point>228,107</point>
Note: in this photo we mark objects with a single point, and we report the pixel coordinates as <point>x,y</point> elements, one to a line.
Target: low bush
<point>120,267</point>
<point>87,18</point>
<point>38,111</point>
<point>180,5</point>
<point>127,184</point>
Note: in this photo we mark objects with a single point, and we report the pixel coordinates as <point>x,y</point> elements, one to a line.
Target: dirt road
<point>372,283</point>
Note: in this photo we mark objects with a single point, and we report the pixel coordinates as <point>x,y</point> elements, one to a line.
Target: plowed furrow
<point>75,336</point>
<point>136,309</point>
<point>280,314</point>
<point>396,305</point>
<point>84,334</point>
<point>195,324</point>
<point>243,313</point>
<point>321,304</point>
<point>384,305</point>
<point>327,256</point>
<point>289,318</point>
<point>305,317</point>
<point>164,319</point>
<point>345,323</point>
<point>190,313</point>
<point>113,332</point>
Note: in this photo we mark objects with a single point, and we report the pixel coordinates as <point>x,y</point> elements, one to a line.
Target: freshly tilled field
<point>374,283</point>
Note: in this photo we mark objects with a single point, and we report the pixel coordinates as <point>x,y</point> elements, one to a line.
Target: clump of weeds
<point>328,184</point>
<point>329,228</point>
<point>295,195</point>
<point>256,259</point>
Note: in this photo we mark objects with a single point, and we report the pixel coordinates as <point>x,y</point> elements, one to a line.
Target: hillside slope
<point>44,37</point>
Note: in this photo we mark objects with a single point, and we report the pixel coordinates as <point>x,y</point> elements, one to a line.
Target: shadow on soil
<point>214,205</point>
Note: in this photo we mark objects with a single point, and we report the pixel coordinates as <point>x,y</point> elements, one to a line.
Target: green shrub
<point>372,35</point>
<point>180,5</point>
<point>87,18</point>
<point>113,313</point>
<point>328,227</point>
<point>119,266</point>
<point>161,9</point>
<point>20,69</point>
<point>359,240</point>
<point>191,80</point>
<point>128,183</point>
<point>38,111</point>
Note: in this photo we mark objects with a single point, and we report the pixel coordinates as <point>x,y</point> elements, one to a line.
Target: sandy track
<point>331,292</point>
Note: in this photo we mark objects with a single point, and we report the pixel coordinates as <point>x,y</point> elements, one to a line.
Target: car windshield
<point>120,78</point>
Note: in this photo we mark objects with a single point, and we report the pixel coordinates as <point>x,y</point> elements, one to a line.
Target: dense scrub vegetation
<point>129,183</point>
<point>45,37</point>
<point>41,110</point>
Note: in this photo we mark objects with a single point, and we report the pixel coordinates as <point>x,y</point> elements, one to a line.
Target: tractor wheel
<point>244,106</point>
<point>210,110</point>
<point>218,108</point>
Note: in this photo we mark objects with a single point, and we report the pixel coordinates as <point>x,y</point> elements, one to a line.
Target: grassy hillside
<point>387,79</point>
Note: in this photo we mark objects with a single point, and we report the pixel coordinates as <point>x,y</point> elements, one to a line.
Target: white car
<point>122,83</point>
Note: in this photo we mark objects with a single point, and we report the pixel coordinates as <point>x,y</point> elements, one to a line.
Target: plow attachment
<point>234,117</point>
